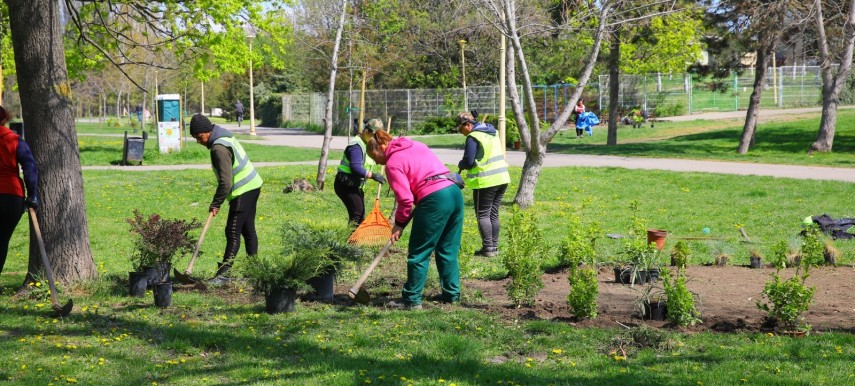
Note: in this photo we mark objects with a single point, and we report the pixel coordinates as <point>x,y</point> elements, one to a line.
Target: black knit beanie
<point>200,124</point>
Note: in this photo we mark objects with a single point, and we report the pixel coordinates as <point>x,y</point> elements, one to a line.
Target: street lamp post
<point>463,65</point>
<point>249,38</point>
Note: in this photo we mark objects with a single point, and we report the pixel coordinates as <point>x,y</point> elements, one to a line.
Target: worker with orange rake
<point>352,173</point>
<point>420,179</point>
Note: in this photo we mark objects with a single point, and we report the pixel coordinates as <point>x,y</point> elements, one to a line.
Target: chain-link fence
<point>661,94</point>
<point>680,94</point>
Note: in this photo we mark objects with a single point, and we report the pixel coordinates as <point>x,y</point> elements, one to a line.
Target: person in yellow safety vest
<point>238,182</point>
<point>352,172</point>
<point>486,174</point>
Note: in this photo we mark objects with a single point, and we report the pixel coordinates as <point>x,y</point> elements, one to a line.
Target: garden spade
<point>359,294</point>
<point>185,277</point>
<point>58,310</point>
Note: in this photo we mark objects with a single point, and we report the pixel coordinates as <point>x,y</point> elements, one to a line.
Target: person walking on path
<point>238,182</point>
<point>238,112</point>
<point>14,152</point>
<point>139,111</point>
<point>352,172</point>
<point>420,179</point>
<point>487,175</point>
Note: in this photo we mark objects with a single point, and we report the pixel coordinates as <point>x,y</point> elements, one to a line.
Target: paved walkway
<point>300,138</point>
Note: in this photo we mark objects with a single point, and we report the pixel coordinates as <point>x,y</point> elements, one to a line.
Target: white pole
<point>502,86</point>
<point>251,96</point>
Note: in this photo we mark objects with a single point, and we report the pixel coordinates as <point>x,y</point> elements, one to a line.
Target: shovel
<point>359,294</point>
<point>185,277</point>
<point>58,310</point>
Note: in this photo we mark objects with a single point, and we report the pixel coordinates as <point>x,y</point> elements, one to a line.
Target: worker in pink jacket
<point>429,196</point>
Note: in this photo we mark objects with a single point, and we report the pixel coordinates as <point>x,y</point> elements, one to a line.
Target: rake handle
<point>45,261</point>
<point>364,277</point>
<point>199,244</point>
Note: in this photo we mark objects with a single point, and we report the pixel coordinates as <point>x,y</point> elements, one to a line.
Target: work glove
<point>378,177</point>
<point>32,202</point>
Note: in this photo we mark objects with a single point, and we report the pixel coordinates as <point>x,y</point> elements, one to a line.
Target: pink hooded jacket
<point>408,165</point>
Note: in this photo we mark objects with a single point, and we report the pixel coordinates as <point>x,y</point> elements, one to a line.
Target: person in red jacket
<point>13,152</point>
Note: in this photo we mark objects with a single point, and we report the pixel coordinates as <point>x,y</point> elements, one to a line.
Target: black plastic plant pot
<point>280,300</point>
<point>323,287</point>
<point>163,295</point>
<point>756,262</point>
<point>641,277</point>
<point>137,283</point>
<point>623,275</point>
<point>652,275</point>
<point>654,310</point>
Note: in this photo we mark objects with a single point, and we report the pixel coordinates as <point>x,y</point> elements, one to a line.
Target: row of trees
<point>118,47</point>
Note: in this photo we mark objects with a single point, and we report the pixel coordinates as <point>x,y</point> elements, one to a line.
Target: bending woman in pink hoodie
<point>429,199</point>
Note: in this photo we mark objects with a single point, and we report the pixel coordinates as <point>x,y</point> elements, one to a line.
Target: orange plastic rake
<point>375,229</point>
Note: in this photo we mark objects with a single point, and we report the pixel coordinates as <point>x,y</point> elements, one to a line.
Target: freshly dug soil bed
<point>727,299</point>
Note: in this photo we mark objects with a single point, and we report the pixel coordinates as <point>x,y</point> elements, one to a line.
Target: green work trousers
<point>437,227</point>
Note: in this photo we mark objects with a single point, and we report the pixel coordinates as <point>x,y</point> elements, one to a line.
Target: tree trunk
<point>614,88</point>
<point>328,118</point>
<point>749,129</point>
<point>528,180</point>
<point>47,111</point>
<point>832,83</point>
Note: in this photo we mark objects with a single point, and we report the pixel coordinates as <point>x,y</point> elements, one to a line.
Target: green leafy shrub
<point>671,109</point>
<point>523,257</point>
<point>512,131</point>
<point>436,125</point>
<point>680,255</point>
<point>680,308</point>
<point>786,300</point>
<point>160,240</point>
<point>584,290</point>
<point>580,243</point>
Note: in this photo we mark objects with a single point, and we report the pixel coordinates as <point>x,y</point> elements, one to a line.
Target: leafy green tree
<point>113,32</point>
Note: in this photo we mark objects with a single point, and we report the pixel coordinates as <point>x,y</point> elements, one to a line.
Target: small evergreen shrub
<point>523,257</point>
<point>584,290</point>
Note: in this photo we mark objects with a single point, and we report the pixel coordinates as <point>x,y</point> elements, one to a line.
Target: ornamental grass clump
<point>523,257</point>
<point>160,240</point>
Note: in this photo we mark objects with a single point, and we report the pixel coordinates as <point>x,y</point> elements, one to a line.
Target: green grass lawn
<point>781,142</point>
<point>223,337</point>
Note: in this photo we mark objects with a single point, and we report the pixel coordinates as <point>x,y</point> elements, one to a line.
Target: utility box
<point>133,149</point>
<point>169,122</point>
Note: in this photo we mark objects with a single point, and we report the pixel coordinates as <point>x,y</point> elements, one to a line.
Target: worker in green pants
<point>437,227</point>
<point>421,181</point>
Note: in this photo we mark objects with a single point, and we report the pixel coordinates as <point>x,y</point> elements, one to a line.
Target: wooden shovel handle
<point>189,269</point>
<point>371,267</point>
<point>48,271</point>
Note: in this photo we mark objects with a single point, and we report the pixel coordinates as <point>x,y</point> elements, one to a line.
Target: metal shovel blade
<point>64,310</point>
<point>183,278</point>
<point>361,296</point>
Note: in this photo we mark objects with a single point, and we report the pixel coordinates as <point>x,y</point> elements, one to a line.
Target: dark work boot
<point>221,278</point>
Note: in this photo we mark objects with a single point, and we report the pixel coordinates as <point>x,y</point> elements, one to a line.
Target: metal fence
<point>679,94</point>
<point>662,94</point>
